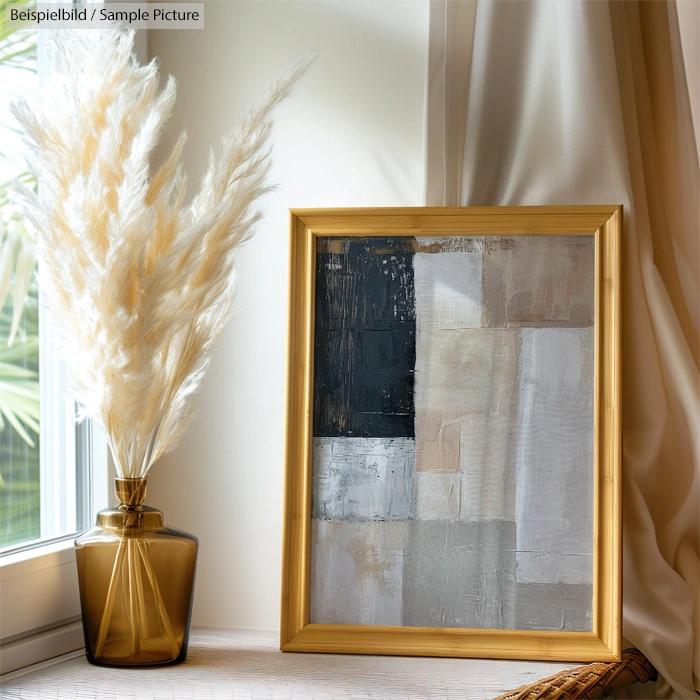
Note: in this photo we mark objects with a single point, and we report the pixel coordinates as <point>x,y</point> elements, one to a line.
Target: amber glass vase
<point>136,584</point>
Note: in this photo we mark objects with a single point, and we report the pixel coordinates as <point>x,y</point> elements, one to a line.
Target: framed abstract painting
<point>453,433</point>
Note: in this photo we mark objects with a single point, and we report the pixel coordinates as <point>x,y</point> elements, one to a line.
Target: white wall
<point>351,135</point>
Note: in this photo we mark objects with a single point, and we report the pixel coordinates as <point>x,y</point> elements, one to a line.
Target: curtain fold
<point>449,65</point>
<point>587,103</point>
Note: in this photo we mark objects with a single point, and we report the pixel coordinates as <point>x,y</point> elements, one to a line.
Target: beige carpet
<point>248,666</point>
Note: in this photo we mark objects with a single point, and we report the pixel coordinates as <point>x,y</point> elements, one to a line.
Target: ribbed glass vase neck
<point>130,492</point>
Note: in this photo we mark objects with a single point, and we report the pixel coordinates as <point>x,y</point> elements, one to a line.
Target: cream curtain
<point>581,102</point>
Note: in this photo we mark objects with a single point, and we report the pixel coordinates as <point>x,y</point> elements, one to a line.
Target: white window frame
<point>39,599</point>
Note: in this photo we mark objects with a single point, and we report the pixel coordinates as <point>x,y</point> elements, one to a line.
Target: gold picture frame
<point>603,642</point>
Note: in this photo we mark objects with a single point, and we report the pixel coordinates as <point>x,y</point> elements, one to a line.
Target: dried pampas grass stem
<point>140,284</point>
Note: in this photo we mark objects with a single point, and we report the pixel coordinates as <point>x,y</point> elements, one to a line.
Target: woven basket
<point>599,680</point>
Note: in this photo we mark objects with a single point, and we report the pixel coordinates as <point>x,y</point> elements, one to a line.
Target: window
<point>54,474</point>
<point>45,489</point>
<point>20,496</point>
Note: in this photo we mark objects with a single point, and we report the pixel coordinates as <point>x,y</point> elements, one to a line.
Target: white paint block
<point>363,478</point>
<point>554,467</point>
<point>557,359</point>
<point>357,572</point>
<point>448,290</point>
<point>569,568</point>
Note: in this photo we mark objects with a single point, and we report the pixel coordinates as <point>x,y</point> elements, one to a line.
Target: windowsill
<point>39,590</point>
<point>29,561</point>
<point>249,663</point>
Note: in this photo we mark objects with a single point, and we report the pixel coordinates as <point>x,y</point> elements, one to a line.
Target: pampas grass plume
<point>140,284</point>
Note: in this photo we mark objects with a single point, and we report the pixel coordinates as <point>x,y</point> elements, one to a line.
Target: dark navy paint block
<point>365,338</point>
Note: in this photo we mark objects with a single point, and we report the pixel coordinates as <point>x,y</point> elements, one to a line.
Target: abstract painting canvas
<point>453,432</point>
<point>452,446</point>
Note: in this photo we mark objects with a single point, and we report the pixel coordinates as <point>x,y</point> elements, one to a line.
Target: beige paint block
<point>453,380</point>
<point>538,281</point>
<point>488,442</point>
<point>487,460</point>
<point>467,388</point>
<point>438,496</point>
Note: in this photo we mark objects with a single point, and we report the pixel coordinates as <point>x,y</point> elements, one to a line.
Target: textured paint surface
<point>453,382</point>
<point>460,574</point>
<point>448,290</point>
<point>542,606</point>
<point>485,345</point>
<point>451,359</point>
<point>357,572</point>
<point>438,496</point>
<point>364,339</point>
<point>538,281</point>
<point>363,478</point>
<point>554,468</point>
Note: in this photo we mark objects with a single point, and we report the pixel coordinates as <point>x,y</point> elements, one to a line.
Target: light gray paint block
<point>559,606</point>
<point>460,574</point>
<point>569,568</point>
<point>554,467</point>
<point>357,572</point>
<point>363,478</point>
<point>538,281</point>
